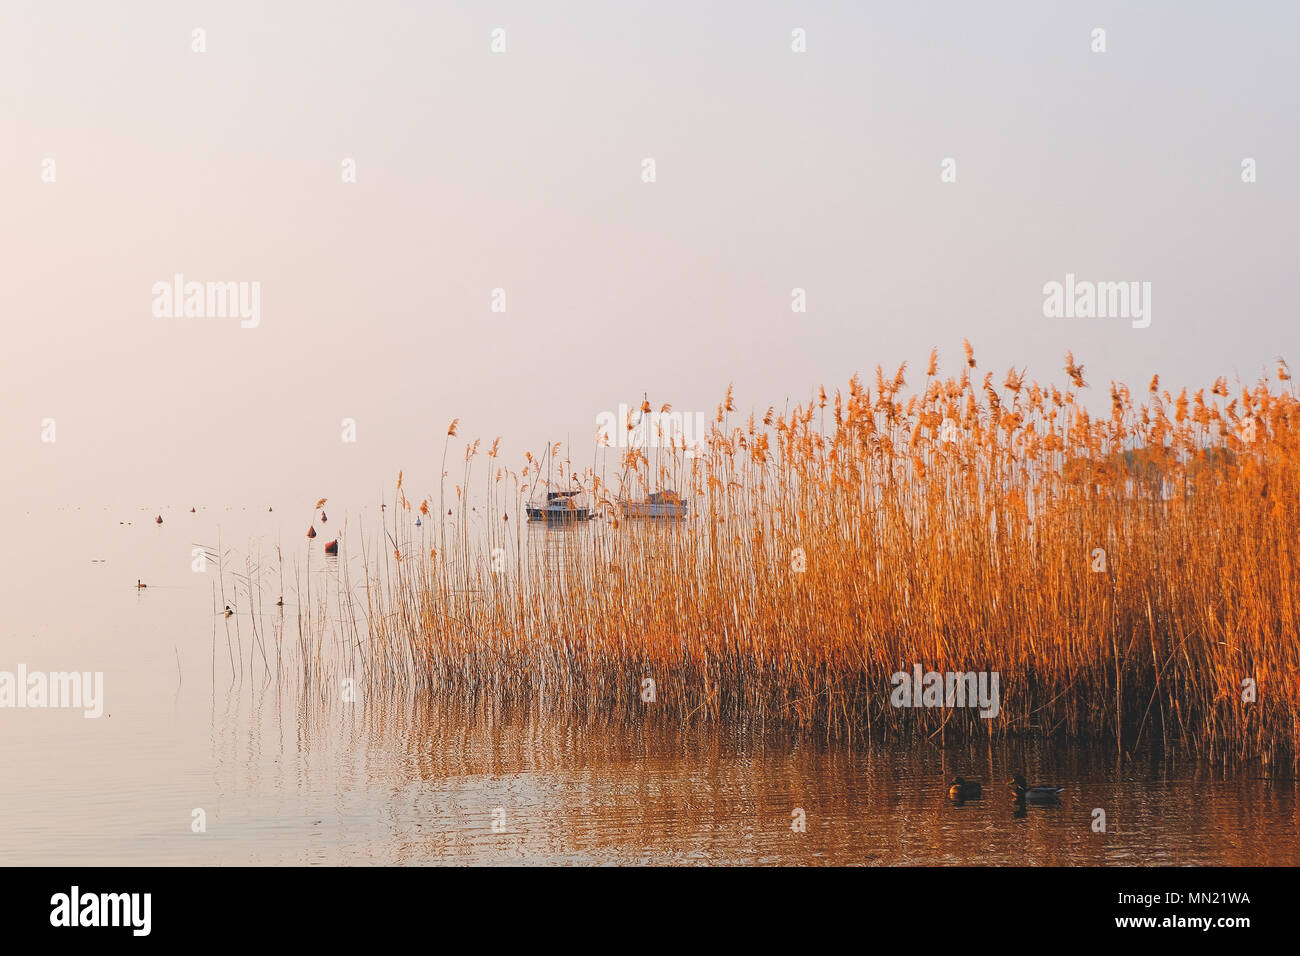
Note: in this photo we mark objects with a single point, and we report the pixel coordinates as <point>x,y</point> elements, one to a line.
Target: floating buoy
<point>323,518</point>
<point>311,532</point>
<point>229,611</point>
<point>158,520</point>
<point>140,584</point>
<point>332,547</point>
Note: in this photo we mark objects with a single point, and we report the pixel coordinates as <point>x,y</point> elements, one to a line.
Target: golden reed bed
<point>959,526</point>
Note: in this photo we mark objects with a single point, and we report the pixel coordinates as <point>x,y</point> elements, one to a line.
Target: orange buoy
<point>311,532</point>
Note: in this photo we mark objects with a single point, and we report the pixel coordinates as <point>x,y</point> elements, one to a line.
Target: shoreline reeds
<point>1126,575</point>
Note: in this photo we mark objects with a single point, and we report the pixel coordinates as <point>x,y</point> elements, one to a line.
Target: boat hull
<point>559,515</point>
<point>656,510</point>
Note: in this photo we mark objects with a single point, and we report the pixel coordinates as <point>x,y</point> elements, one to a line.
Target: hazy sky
<point>522,170</point>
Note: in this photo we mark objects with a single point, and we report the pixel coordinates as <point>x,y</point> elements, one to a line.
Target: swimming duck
<point>280,603</point>
<point>1039,794</point>
<point>332,547</point>
<point>311,532</point>
<point>965,789</point>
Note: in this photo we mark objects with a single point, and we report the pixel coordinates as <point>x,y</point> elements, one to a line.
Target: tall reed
<point>959,526</point>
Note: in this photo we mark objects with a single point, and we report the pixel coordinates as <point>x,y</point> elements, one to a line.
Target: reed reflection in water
<point>408,782</point>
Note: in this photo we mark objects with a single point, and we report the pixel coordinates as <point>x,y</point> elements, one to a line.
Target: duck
<point>1037,794</point>
<point>311,532</point>
<point>965,789</point>
<point>280,603</point>
<point>332,547</point>
<point>140,584</point>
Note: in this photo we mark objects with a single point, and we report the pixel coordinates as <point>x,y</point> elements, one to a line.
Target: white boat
<point>668,505</point>
<point>560,506</point>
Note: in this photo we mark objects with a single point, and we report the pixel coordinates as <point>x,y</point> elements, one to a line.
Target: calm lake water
<point>287,780</point>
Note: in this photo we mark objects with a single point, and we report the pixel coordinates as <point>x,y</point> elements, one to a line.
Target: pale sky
<point>522,170</point>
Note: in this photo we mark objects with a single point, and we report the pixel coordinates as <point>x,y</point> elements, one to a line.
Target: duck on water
<point>1035,794</point>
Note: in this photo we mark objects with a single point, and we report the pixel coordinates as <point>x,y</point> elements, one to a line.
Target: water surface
<point>285,777</point>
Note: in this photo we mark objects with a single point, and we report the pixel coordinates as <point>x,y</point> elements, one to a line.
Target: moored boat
<point>667,505</point>
<point>560,506</point>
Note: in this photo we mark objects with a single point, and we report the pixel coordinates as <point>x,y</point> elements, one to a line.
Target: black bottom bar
<point>994,907</point>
